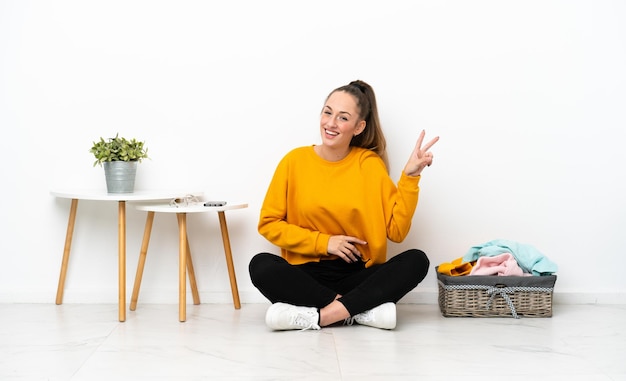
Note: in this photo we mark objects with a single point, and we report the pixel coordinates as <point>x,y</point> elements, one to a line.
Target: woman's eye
<point>343,118</point>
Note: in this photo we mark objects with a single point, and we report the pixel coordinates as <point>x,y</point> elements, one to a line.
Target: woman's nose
<point>329,120</point>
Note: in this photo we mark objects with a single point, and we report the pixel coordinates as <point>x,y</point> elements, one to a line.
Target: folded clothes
<point>527,257</point>
<point>502,265</point>
<point>455,268</point>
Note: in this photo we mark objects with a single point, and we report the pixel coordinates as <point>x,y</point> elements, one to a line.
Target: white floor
<point>86,342</point>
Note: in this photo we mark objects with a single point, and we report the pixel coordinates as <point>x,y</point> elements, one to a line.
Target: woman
<point>331,209</point>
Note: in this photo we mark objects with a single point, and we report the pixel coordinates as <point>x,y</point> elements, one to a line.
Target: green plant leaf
<point>118,149</point>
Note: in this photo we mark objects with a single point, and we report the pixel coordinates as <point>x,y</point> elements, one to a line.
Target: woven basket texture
<point>495,296</point>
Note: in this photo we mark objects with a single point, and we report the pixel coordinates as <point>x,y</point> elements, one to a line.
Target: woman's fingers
<point>346,249</point>
<point>420,140</point>
<point>431,143</point>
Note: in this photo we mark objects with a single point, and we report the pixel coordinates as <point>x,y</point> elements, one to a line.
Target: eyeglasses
<point>185,201</point>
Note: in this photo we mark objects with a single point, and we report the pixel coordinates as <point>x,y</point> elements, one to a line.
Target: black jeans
<point>316,284</point>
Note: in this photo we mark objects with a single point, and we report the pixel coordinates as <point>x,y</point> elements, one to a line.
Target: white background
<point>528,98</point>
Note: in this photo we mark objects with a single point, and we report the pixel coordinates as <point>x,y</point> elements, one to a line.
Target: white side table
<point>184,258</point>
<point>121,198</point>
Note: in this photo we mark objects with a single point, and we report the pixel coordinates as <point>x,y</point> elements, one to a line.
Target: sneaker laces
<point>349,321</point>
<point>304,320</point>
<point>363,316</point>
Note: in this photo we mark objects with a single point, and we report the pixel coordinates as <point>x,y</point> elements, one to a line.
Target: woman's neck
<point>331,154</point>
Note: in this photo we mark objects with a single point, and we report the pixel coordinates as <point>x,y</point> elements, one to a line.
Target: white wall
<point>528,98</point>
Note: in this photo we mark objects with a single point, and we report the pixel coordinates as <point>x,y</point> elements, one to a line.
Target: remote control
<point>215,203</point>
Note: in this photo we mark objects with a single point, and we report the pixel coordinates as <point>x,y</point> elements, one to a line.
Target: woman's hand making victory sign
<point>420,157</point>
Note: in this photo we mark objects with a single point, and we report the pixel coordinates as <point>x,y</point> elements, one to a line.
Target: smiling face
<point>339,122</point>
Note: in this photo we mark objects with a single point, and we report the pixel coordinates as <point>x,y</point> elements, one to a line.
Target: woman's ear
<point>360,127</point>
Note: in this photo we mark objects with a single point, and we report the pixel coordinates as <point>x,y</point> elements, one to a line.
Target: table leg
<point>192,275</point>
<point>122,259</point>
<point>66,250</point>
<point>229,260</point>
<point>182,266</point>
<point>142,260</point>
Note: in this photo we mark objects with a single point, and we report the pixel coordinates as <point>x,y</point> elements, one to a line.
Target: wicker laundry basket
<point>495,296</point>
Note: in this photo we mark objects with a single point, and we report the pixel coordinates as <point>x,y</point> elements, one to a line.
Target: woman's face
<point>340,120</point>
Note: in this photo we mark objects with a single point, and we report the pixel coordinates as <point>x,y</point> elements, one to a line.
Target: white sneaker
<point>283,316</point>
<point>383,316</point>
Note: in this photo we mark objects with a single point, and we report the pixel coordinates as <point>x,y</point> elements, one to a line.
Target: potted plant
<point>119,157</point>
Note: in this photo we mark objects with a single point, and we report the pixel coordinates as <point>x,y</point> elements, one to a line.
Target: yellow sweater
<point>310,199</point>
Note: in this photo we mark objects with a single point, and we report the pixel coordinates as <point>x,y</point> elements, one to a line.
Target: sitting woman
<point>331,209</point>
